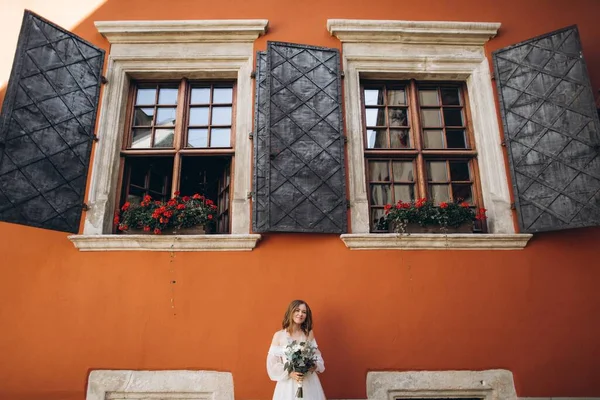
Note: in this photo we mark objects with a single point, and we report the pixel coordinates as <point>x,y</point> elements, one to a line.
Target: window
<point>417,144</point>
<point>180,140</point>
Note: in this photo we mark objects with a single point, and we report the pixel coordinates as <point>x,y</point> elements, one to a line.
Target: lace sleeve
<point>320,362</point>
<point>275,360</point>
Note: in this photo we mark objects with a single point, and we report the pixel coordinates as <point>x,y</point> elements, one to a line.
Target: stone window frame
<point>202,49</point>
<point>425,50</point>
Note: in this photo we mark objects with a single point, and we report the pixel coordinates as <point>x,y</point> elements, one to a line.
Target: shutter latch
<point>85,207</point>
<point>249,195</point>
<point>252,75</point>
<point>103,80</point>
<point>513,206</point>
<point>251,135</point>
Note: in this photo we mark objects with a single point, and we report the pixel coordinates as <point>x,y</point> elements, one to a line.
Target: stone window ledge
<point>433,241</point>
<point>233,242</point>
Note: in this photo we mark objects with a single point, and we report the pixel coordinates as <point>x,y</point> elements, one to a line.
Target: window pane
<point>379,171</point>
<point>459,171</point>
<point>462,192</point>
<point>157,182</point>
<point>431,118</point>
<point>143,116</point>
<point>403,171</point>
<point>436,171</point>
<point>198,138</point>
<point>439,193</point>
<point>221,116</point>
<point>380,194</point>
<point>405,193</point>
<point>141,138</point>
<point>428,98</point>
<point>223,95</point>
<point>163,138</point>
<point>165,116</point>
<point>433,139</point>
<point>456,139</point>
<point>375,116</point>
<point>137,177</point>
<point>453,117</point>
<point>220,137</point>
<point>378,219</point>
<point>396,97</point>
<point>399,138</point>
<point>373,97</point>
<point>199,116</point>
<point>398,116</point>
<point>377,138</point>
<point>450,97</point>
<point>200,95</point>
<point>135,195</point>
<point>145,96</point>
<point>167,96</point>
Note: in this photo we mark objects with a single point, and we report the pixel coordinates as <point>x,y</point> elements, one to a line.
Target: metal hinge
<point>95,137</point>
<point>513,206</point>
<point>85,207</point>
<point>348,204</point>
<point>493,77</point>
<point>249,195</point>
<point>342,75</point>
<point>503,143</point>
<point>103,80</point>
<point>345,138</point>
<point>253,75</point>
<point>251,135</point>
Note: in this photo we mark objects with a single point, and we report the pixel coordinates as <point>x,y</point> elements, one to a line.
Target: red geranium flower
<point>172,202</point>
<point>186,198</point>
<point>177,193</point>
<point>196,196</point>
<point>480,216</point>
<point>125,206</point>
<point>181,206</point>
<point>210,216</point>
<point>443,204</point>
<point>116,220</point>
<point>464,204</point>
<point>420,203</point>
<point>156,231</point>
<point>147,198</point>
<point>146,228</point>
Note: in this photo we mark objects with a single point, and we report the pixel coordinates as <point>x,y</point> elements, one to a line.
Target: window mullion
<point>416,125</point>
<point>178,139</point>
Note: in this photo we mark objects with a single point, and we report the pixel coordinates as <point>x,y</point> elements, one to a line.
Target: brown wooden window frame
<point>416,152</point>
<point>179,151</point>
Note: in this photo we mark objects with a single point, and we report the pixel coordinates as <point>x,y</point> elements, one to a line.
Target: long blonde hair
<point>288,318</point>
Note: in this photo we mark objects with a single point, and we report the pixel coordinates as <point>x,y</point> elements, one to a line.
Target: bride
<point>297,325</point>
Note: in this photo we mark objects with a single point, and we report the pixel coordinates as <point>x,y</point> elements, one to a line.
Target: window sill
<point>165,243</point>
<point>434,241</point>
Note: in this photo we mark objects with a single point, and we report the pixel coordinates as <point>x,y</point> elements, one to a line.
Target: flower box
<point>413,227</point>
<point>195,230</point>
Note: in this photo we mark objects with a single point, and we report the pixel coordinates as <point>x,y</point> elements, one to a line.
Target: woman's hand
<point>297,376</point>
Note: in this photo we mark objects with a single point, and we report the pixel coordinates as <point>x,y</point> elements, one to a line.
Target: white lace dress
<point>286,387</point>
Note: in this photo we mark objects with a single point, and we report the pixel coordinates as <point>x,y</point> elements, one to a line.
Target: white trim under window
<point>425,50</point>
<point>210,49</point>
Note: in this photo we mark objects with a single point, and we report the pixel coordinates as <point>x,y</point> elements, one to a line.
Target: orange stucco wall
<point>535,312</point>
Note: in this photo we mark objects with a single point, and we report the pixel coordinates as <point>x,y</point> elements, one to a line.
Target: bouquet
<point>300,357</point>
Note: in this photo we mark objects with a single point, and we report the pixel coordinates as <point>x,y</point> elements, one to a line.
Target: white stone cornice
<point>230,30</point>
<point>165,243</point>
<point>432,241</point>
<point>417,32</point>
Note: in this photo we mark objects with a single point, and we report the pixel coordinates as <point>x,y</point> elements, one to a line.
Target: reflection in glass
<point>380,194</point>
<point>453,117</point>
<point>141,138</point>
<point>433,139</point>
<point>436,170</point>
<point>223,95</point>
<point>373,97</point>
<point>167,96</point>
<point>396,97</point>
<point>403,171</point>
<point>398,116</point>
<point>198,138</point>
<point>439,193</point>
<point>145,96</point>
<point>378,219</point>
<point>459,171</point>
<point>399,138</point>
<point>220,137</point>
<point>379,171</point>
<point>450,97</point>
<point>431,118</point>
<point>143,116</point>
<point>198,116</point>
<point>405,193</point>
<point>456,139</point>
<point>165,116</point>
<point>462,192</point>
<point>221,116</point>
<point>135,195</point>
<point>377,139</point>
<point>375,116</point>
<point>428,98</point>
<point>163,137</point>
<point>200,95</point>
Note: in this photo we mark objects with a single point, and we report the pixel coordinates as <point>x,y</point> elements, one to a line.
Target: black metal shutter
<point>299,150</point>
<point>47,126</point>
<point>552,131</point>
